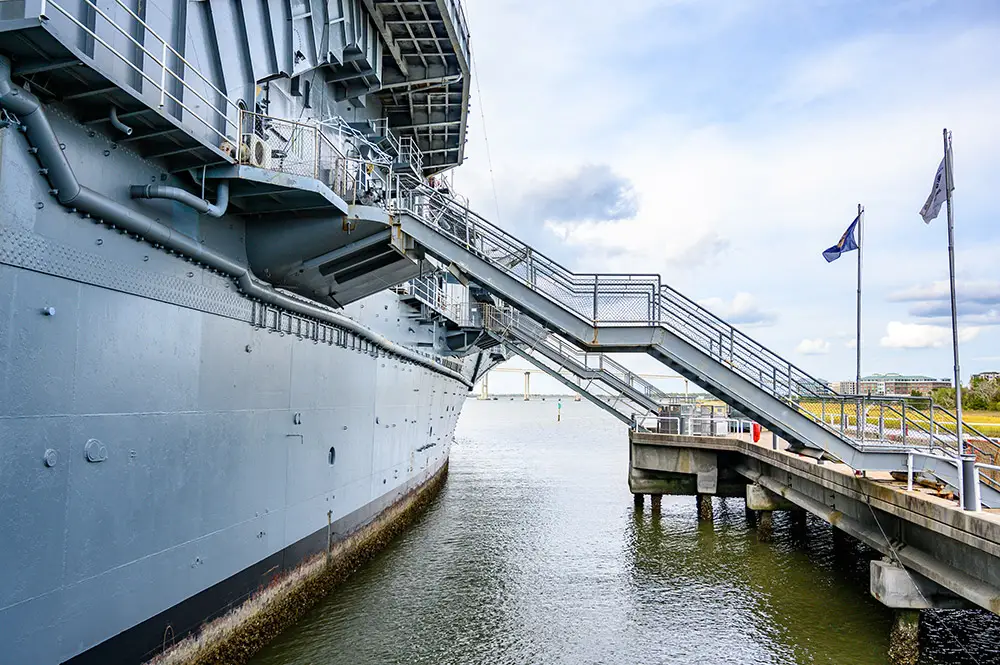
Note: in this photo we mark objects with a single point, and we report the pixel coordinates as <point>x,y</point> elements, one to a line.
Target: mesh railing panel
<point>602,299</point>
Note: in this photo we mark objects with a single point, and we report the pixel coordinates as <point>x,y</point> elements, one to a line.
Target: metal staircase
<point>613,401</point>
<point>525,334</point>
<point>638,313</point>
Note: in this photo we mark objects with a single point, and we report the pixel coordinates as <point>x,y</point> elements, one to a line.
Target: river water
<point>534,553</point>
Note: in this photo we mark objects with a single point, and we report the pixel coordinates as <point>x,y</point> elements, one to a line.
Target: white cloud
<point>900,335</point>
<point>985,291</point>
<point>746,163</point>
<point>813,347</point>
<point>741,310</point>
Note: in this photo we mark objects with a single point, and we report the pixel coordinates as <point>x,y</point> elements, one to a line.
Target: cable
<point>895,555</point>
<point>486,138</point>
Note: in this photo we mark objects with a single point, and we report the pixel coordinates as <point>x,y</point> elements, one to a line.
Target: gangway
<point>509,325</point>
<point>614,402</point>
<point>621,313</point>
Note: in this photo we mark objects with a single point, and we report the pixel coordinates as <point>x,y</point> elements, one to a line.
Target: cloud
<point>922,336</point>
<point>594,193</point>
<point>741,310</point>
<point>986,292</point>
<point>978,302</point>
<point>813,347</point>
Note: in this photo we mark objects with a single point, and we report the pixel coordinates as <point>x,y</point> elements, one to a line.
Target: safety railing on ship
<point>222,122</point>
<point>308,150</point>
<point>427,290</point>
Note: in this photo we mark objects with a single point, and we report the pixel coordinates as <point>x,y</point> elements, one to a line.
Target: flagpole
<point>861,248</point>
<point>968,477</point>
<point>857,375</point>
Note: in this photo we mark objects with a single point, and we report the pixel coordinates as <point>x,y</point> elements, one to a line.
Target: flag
<point>846,244</point>
<point>938,195</point>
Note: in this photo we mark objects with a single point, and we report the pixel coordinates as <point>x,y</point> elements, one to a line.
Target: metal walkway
<point>520,331</point>
<point>638,313</point>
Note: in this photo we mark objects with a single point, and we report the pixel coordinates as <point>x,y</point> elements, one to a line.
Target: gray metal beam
<point>573,386</point>
<point>390,41</point>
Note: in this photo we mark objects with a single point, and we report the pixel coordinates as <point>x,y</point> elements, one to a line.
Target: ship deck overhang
<point>427,65</point>
<point>255,190</point>
<point>59,72</point>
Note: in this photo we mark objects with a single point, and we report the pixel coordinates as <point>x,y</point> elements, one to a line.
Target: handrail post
<point>163,76</point>
<point>595,300</point>
<point>909,472</point>
<point>902,423</point>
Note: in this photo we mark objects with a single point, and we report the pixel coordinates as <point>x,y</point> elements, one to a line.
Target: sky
<point>726,143</point>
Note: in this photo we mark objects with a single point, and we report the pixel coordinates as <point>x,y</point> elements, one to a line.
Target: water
<point>533,553</point>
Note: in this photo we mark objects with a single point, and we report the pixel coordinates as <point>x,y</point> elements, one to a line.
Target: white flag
<point>938,195</point>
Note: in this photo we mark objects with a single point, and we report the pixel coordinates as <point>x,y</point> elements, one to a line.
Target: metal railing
<point>427,291</point>
<point>410,153</point>
<point>623,299</point>
<point>307,150</point>
<point>509,323</point>
<point>221,121</point>
<point>457,15</point>
<point>693,425</point>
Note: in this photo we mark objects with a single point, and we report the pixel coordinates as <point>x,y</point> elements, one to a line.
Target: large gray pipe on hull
<point>68,190</point>
<point>218,209</point>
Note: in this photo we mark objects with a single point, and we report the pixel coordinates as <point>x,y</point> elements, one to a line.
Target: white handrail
<point>161,61</point>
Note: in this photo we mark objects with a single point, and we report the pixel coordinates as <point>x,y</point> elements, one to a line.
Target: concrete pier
<point>939,556</point>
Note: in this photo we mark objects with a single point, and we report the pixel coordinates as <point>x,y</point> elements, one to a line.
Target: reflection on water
<point>534,553</point>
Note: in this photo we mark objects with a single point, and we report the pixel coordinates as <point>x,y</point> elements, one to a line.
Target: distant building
<point>892,384</point>
<point>986,376</point>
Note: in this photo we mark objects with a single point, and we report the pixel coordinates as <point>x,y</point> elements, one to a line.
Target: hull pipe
<point>218,209</point>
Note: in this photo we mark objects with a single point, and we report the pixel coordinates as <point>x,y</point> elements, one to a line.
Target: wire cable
<point>486,137</point>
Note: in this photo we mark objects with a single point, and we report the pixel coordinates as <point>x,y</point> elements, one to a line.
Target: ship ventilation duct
<point>70,193</point>
<point>187,198</point>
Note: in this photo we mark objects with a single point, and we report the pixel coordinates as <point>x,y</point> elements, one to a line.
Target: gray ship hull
<point>169,445</point>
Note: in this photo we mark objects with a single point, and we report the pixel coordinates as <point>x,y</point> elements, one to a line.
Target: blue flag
<point>846,244</point>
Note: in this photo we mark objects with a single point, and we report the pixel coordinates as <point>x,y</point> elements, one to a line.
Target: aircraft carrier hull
<point>170,446</point>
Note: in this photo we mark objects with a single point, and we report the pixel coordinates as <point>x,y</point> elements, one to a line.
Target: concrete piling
<point>654,502</point>
<point>765,526</point>
<point>704,503</point>
<point>904,638</point>
<point>637,499</point>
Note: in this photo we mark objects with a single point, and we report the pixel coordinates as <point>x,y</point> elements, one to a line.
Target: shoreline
<point>234,638</point>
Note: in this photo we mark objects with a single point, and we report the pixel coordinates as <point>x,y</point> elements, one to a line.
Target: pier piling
<point>765,526</point>
<point>704,503</point>
<point>904,642</point>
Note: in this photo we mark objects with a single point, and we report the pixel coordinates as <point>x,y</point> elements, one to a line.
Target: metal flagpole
<point>861,248</point>
<point>969,475</point>
<point>857,375</point>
